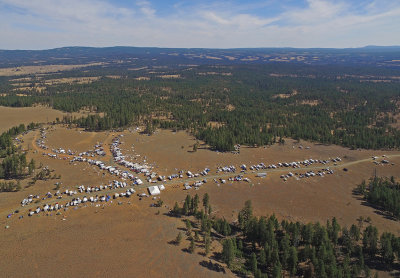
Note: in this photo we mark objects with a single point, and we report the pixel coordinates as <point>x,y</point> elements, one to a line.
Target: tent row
<point>110,169</point>
<point>81,189</point>
<point>120,158</point>
<point>75,202</point>
<point>308,174</point>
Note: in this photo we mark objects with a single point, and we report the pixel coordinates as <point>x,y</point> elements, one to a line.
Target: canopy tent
<point>153,190</point>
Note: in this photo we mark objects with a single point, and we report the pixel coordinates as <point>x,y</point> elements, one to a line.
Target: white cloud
<point>215,18</point>
<point>146,9</point>
<point>322,23</point>
<point>317,11</point>
<point>242,21</point>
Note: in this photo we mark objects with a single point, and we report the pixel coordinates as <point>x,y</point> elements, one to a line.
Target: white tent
<point>153,190</point>
<point>161,187</point>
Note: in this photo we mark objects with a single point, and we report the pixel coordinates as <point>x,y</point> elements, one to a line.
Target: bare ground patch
<point>293,93</point>
<point>10,116</point>
<point>15,71</point>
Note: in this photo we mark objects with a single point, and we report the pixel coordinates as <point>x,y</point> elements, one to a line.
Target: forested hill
<point>223,96</point>
<point>378,56</point>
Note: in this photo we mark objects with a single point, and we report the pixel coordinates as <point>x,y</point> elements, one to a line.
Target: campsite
<point>43,239</point>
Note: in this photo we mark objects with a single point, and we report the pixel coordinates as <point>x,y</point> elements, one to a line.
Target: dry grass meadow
<point>24,70</point>
<point>10,117</point>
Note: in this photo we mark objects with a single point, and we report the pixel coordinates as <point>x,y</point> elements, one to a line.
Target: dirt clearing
<point>10,116</point>
<point>16,71</point>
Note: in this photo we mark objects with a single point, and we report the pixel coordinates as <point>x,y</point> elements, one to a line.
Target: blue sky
<point>41,24</point>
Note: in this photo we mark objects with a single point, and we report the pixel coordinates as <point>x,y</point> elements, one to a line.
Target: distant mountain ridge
<point>185,48</point>
<point>375,55</point>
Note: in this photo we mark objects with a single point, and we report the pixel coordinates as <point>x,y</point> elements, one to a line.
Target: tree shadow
<point>377,209</point>
<point>171,214</point>
<point>173,242</point>
<point>212,266</point>
<point>216,257</point>
<point>378,264</point>
<point>186,250</point>
<point>143,132</point>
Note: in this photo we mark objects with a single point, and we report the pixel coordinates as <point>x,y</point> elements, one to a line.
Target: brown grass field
<point>18,71</point>
<point>10,117</point>
<point>131,240</point>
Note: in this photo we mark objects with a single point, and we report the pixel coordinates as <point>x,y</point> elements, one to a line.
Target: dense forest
<point>265,247</point>
<point>238,103</point>
<point>383,193</point>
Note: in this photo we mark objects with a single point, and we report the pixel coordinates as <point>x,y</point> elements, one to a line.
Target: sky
<point>44,24</point>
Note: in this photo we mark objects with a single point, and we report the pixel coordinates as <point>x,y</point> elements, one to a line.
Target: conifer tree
<point>192,246</point>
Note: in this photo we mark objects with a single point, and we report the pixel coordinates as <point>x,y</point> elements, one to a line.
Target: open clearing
<point>130,240</point>
<point>17,71</point>
<point>10,116</point>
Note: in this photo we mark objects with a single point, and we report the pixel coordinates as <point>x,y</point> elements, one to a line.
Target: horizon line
<point>214,48</point>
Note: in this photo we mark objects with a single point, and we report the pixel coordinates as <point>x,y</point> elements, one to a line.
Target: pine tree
<point>176,208</point>
<point>207,244</point>
<point>204,222</point>
<point>277,270</point>
<point>285,249</point>
<point>258,274</point>
<point>228,252</point>
<point>178,239</point>
<point>262,258</point>
<point>195,203</point>
<point>188,227</point>
<point>245,214</point>
<point>386,249</point>
<point>31,166</point>
<point>335,231</point>
<point>354,233</point>
<point>192,246</point>
<point>275,256</point>
<point>361,258</point>
<point>206,201</point>
<point>253,263</point>
<point>321,273</point>
<point>196,236</point>
<point>370,240</point>
<point>186,208</point>
<point>292,260</point>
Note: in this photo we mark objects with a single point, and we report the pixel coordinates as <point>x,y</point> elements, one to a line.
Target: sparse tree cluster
<point>382,192</point>
<point>14,164</point>
<point>265,247</point>
<point>10,186</point>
